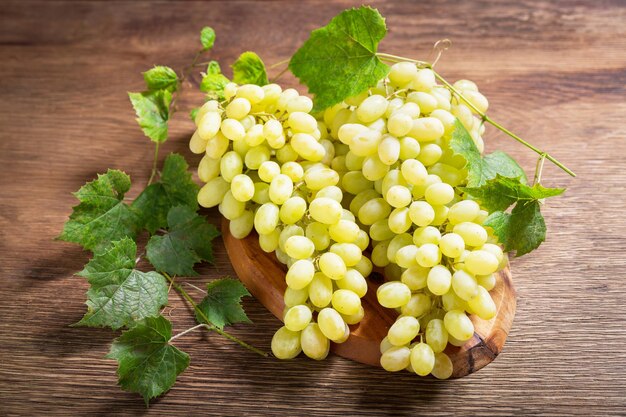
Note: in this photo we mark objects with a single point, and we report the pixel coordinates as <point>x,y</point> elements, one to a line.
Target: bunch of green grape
<point>372,182</point>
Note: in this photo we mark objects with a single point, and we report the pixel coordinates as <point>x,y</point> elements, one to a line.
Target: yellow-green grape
<point>422,359</point>
<point>464,285</point>
<point>242,188</point>
<point>354,318</point>
<point>402,73</point>
<point>399,124</point>
<point>301,122</point>
<point>241,226</point>
<point>230,207</point>
<point>481,262</point>
<point>233,129</point>
<point>385,345</point>
<point>362,240</point>
<point>269,242</point>
<point>231,165</point>
<point>344,231</point>
<point>419,190</point>
<point>268,170</point>
<point>448,173</point>
<point>287,232</point>
<point>354,182</point>
<point>212,193</point>
<point>398,196</point>
<point>473,234</point>
<point>349,252</point>
<point>197,145</point>
<point>266,218</point>
<point>424,80</point>
<point>428,255</point>
<point>332,265</point>
<point>395,359</point>
<point>261,193</point>
<point>318,233</point>
<point>320,290</point>
<point>426,234</point>
<point>254,93</point>
<point>389,149</point>
<point>298,317</point>
<point>300,274</point>
<point>478,100</point>
<point>445,117</point>
<point>439,194</point>
<point>421,213</point>
<point>380,231</point>
<point>443,366</point>
<point>399,220</point>
<point>299,104</point>
<point>482,304</point>
<point>414,172</point>
<point>307,147</point>
<point>405,256</point>
<point>371,108</point>
<point>209,106</point>
<point>396,243</point>
<point>418,305</point>
<point>426,129</point>
<point>314,344</point>
<point>409,148</point>
<point>451,301</point>
<point>365,143</point>
<point>452,245</point>
<point>332,192</point>
<point>379,253</point>
<point>217,146</point>
<point>425,101</point>
<point>373,210</point>
<point>458,325</point>
<point>238,108</point>
<point>415,277</point>
<point>299,247</point>
<point>348,131</point>
<point>463,211</point>
<point>286,344</point>
<point>256,156</point>
<point>284,97</point>
<point>281,189</point>
<point>320,178</point>
<point>292,210</point>
<point>293,170</point>
<point>346,302</point>
<point>354,281</point>
<point>331,324</point>
<point>293,297</point>
<point>495,250</point>
<point>441,214</point>
<point>325,210</point>
<point>209,125</point>
<point>436,335</point>
<point>208,168</point>
<point>373,168</point>
<point>487,281</point>
<point>430,154</point>
<point>482,216</point>
<point>393,294</point>
<point>403,330</point>
<point>364,266</point>
<point>254,136</point>
<point>439,280</point>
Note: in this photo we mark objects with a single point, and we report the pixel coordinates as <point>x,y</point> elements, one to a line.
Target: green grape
<point>325,210</point>
<point>299,247</point>
<point>320,290</point>
<point>332,265</point>
<point>436,335</point>
<point>403,330</point>
<point>458,325</point>
<point>354,281</point>
<point>319,235</point>
<point>241,226</point>
<point>286,344</point>
<point>331,324</point>
<point>418,305</point>
<point>293,297</point>
<point>426,234</point>
<point>298,317</point>
<point>393,294</point>
<point>443,366</point>
<point>292,210</point>
<point>346,302</point>
<point>314,344</point>
<point>464,285</point>
<point>415,277</point>
<point>300,274</point>
<point>422,359</point>
<point>395,359</point>
<point>439,280</point>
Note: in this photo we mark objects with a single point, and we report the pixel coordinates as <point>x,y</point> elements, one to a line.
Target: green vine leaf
<point>213,82</point>
<point>161,78</point>
<point>152,109</point>
<point>119,294</point>
<point>479,168</point>
<point>522,231</point>
<point>499,193</point>
<point>175,187</point>
<point>187,242</point>
<point>102,216</point>
<point>222,304</point>
<point>147,363</point>
<point>339,60</point>
<point>207,38</point>
<point>249,69</point>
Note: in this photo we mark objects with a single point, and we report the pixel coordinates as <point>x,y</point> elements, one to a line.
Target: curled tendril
<point>439,48</point>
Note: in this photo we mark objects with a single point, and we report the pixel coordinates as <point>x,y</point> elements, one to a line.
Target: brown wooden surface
<point>554,71</point>
<point>264,276</point>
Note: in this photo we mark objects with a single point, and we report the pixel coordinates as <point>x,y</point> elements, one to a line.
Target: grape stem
<point>176,336</point>
<point>423,64</point>
<point>210,326</point>
<point>154,163</point>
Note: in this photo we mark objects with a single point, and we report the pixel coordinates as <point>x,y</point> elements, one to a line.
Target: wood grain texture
<point>264,276</point>
<point>554,71</point>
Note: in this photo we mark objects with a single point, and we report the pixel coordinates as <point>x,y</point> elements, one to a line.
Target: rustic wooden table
<point>555,71</point>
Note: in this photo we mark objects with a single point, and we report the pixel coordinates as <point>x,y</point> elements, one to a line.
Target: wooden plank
<point>553,71</point>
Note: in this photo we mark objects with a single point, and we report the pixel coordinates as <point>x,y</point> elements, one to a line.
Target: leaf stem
<point>154,163</point>
<point>191,329</point>
<point>396,58</point>
<point>278,64</point>
<point>539,169</point>
<point>208,324</point>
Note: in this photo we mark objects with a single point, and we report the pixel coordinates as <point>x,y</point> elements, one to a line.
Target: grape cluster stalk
<point>369,183</point>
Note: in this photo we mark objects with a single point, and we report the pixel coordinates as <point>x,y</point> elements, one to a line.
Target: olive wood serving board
<point>264,277</point>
